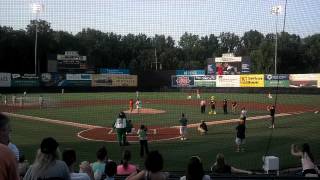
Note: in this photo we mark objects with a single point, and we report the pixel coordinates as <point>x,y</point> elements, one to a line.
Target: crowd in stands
<point>49,164</point>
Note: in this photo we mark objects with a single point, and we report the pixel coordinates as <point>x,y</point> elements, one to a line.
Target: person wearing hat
<point>203,128</point>
<point>121,128</point>
<point>46,164</point>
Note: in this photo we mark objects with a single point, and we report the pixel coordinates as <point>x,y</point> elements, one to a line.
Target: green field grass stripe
<point>53,121</point>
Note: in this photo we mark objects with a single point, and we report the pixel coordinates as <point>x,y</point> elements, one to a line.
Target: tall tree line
<point>138,52</point>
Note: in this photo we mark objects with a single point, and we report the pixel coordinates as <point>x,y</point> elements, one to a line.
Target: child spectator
<point>309,169</point>
<point>46,164</point>
<point>142,134</point>
<point>99,166</point>
<point>241,135</point>
<point>195,170</point>
<point>125,168</point>
<point>203,128</point>
<point>69,157</point>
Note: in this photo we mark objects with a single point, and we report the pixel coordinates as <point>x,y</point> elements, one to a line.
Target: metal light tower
<point>276,10</point>
<point>37,8</point>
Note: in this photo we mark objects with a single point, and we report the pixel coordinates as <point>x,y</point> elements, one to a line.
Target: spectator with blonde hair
<point>47,164</point>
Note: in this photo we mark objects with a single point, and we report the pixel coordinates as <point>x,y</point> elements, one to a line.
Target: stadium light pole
<point>37,8</point>
<point>276,10</point>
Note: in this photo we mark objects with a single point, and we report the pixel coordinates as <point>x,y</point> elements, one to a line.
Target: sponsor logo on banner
<point>190,72</point>
<point>114,71</point>
<point>182,81</point>
<point>5,79</point>
<point>115,80</point>
<point>79,77</point>
<point>25,80</point>
<point>252,80</point>
<point>279,80</point>
<point>205,81</point>
<point>304,80</point>
<point>228,81</point>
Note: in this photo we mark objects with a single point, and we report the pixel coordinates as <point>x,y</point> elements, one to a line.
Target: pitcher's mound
<point>145,111</point>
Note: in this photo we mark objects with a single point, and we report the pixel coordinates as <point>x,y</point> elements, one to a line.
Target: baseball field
<point>83,121</point>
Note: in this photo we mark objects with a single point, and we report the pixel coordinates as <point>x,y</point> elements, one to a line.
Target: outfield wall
<point>247,80</point>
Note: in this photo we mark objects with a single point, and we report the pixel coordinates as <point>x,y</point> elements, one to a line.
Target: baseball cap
<point>49,145</point>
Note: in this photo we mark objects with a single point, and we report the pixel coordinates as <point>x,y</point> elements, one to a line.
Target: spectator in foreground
<point>153,165</point>
<point>309,169</point>
<point>5,131</point>
<point>110,171</point>
<point>220,167</point>
<point>46,164</point>
<point>8,162</point>
<point>125,168</point>
<point>99,166</point>
<point>23,165</point>
<point>69,157</point>
<point>195,170</point>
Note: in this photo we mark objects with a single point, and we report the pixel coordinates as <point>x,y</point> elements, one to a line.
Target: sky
<point>168,17</point>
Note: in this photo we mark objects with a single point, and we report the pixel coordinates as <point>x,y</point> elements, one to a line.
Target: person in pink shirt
<point>125,168</point>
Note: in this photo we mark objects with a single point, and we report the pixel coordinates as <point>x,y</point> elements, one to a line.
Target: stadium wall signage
<point>113,71</point>
<point>5,79</point>
<point>182,81</point>
<point>228,80</point>
<point>190,72</point>
<point>279,80</point>
<point>252,80</point>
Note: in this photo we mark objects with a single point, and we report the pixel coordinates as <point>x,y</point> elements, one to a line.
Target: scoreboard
<point>71,61</point>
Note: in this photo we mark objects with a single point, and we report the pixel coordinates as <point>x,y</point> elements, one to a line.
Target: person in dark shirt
<point>272,111</point>
<point>220,167</point>
<point>183,126</point>
<point>241,135</point>
<point>225,106</point>
<point>203,128</point>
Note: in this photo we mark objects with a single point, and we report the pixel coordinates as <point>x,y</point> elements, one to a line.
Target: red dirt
<point>102,134</point>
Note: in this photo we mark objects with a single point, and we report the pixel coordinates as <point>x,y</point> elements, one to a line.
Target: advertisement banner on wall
<point>25,80</point>
<point>108,80</point>
<point>79,77</point>
<point>113,71</point>
<point>182,81</point>
<point>205,81</point>
<point>52,79</point>
<point>252,80</point>
<point>304,80</point>
<point>279,80</point>
<point>228,80</point>
<point>245,66</point>
<point>5,79</point>
<point>190,72</point>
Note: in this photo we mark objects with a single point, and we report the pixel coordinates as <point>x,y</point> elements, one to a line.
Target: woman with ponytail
<point>125,168</point>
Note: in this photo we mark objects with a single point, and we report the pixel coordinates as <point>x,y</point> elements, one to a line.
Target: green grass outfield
<point>290,129</point>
